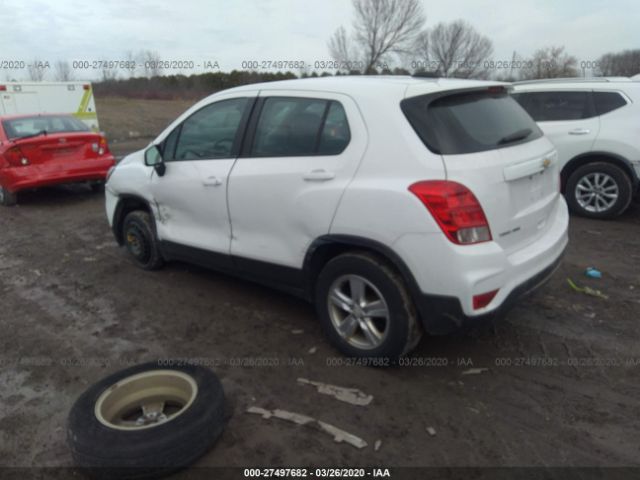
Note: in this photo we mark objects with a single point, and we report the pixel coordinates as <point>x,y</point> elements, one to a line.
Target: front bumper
<point>15,179</point>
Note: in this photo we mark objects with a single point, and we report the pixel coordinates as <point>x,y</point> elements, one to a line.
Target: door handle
<point>580,131</point>
<point>319,175</point>
<point>212,182</point>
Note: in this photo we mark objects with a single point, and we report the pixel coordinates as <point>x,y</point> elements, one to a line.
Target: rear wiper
<point>515,136</point>
<point>37,134</point>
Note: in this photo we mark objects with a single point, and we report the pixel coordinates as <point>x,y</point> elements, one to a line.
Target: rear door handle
<point>319,175</point>
<point>212,182</point>
<point>580,131</point>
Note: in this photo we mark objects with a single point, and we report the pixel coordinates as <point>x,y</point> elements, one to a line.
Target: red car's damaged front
<point>41,150</point>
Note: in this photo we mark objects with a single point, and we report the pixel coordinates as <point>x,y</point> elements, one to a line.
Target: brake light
<point>456,209</point>
<point>484,299</point>
<point>15,157</point>
<point>103,146</point>
<point>3,88</point>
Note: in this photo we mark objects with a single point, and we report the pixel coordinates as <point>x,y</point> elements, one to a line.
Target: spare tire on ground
<point>146,421</point>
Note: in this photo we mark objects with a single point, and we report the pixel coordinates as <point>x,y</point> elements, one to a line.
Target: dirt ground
<point>561,386</point>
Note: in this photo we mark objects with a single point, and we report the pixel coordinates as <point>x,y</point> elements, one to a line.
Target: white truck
<point>76,98</point>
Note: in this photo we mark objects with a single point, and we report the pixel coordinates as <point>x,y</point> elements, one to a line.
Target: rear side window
<point>556,106</point>
<point>606,102</point>
<point>469,122</point>
<point>299,127</point>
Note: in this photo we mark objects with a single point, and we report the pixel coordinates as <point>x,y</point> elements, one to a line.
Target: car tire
<point>380,290</point>
<point>587,199</point>
<point>140,239</point>
<point>7,198</point>
<point>104,447</point>
<point>97,186</point>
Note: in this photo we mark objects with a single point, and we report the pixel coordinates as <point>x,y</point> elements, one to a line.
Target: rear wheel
<point>365,308</point>
<point>96,186</point>
<point>140,240</point>
<point>7,198</point>
<point>599,190</point>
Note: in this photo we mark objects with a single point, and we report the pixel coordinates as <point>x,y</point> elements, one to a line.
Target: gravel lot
<point>561,387</point>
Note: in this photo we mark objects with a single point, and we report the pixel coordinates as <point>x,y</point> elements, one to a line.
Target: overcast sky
<point>230,31</point>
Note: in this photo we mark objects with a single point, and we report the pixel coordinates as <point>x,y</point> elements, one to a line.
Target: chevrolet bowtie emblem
<point>546,162</point>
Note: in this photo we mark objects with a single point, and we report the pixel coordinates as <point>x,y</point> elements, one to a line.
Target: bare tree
<point>132,61</point>
<point>36,70</point>
<point>624,64</point>
<point>381,29</point>
<point>63,72</point>
<point>454,49</point>
<point>150,63</point>
<point>549,62</point>
<point>109,74</point>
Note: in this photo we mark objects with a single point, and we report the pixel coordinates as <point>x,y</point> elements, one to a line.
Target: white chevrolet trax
<point>397,205</point>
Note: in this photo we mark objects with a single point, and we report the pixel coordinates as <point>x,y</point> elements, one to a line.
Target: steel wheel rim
<point>358,312</point>
<point>136,243</point>
<point>146,400</point>
<point>597,192</point>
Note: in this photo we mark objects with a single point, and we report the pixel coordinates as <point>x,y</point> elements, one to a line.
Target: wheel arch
<point>591,157</point>
<point>127,204</point>
<point>325,248</point>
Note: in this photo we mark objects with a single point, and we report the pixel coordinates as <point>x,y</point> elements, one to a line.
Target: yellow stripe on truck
<point>84,103</point>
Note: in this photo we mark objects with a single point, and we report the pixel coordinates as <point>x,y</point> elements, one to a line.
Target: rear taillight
<point>456,209</point>
<point>3,88</point>
<point>103,147</point>
<point>15,157</point>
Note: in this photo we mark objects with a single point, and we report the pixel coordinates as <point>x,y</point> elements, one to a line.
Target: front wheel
<point>598,190</point>
<point>140,239</point>
<point>365,308</point>
<point>7,198</point>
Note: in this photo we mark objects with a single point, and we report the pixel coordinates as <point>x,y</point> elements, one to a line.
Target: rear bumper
<point>447,276</point>
<point>445,314</point>
<point>15,179</point>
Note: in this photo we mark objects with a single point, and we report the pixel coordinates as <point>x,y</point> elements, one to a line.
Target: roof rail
<point>575,80</point>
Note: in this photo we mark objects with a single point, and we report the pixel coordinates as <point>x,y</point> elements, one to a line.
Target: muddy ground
<point>561,386</point>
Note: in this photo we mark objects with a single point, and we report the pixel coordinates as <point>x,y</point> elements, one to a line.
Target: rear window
<point>28,126</point>
<point>469,122</point>
<point>606,102</point>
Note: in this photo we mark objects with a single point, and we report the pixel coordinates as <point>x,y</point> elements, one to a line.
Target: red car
<point>41,150</point>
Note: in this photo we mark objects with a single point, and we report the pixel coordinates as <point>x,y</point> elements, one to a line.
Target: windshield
<point>30,126</point>
<point>469,122</point>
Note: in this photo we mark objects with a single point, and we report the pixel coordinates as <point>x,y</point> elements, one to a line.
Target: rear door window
<point>606,102</point>
<point>292,126</point>
<point>556,106</point>
<point>469,122</point>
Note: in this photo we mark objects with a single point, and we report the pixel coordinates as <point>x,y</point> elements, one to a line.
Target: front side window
<point>207,134</point>
<point>300,126</point>
<point>556,106</point>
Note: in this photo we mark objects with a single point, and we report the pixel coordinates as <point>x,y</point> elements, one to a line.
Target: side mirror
<point>153,158</point>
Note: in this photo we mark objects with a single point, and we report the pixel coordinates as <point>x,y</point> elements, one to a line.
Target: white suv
<point>397,205</point>
<point>595,125</point>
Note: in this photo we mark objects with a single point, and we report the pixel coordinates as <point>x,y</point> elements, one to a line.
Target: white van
<point>75,98</point>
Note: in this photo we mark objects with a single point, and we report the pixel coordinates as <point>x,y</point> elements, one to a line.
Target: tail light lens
<point>15,157</point>
<point>103,147</point>
<point>456,209</point>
